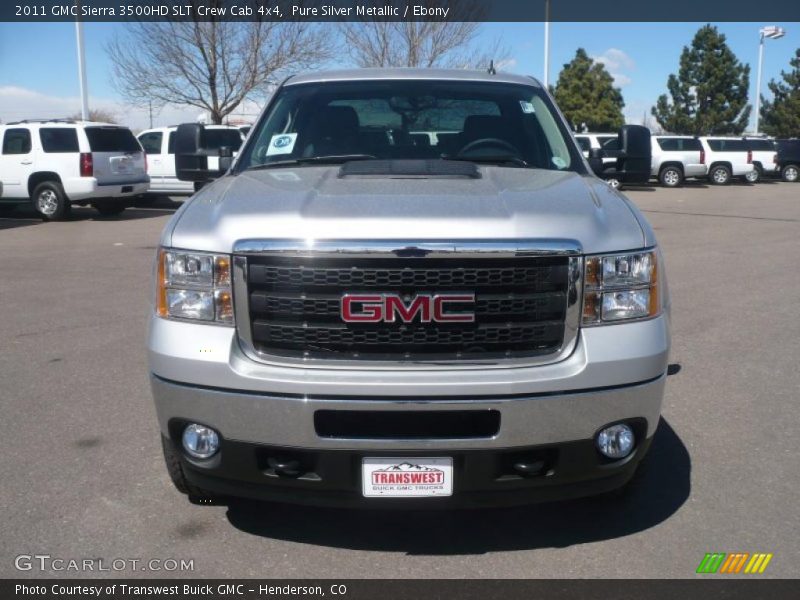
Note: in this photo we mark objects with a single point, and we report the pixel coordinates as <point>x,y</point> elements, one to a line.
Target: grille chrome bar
<point>355,249</point>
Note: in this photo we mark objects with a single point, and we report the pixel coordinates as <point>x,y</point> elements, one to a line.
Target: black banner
<point>416,589</point>
<point>399,10</point>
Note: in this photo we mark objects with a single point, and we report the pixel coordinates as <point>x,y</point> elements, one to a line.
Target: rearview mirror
<point>596,160</point>
<point>191,163</point>
<point>191,155</point>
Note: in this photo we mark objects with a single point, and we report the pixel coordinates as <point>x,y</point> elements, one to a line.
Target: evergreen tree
<point>708,96</point>
<point>781,117</point>
<point>586,95</point>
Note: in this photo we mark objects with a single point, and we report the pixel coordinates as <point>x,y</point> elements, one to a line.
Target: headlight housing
<point>194,286</point>
<point>620,287</point>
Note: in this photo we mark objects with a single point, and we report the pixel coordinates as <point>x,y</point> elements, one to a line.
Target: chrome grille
<point>288,304</point>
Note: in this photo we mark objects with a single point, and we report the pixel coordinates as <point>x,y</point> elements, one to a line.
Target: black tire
<point>719,175</point>
<point>754,176</point>
<point>109,209</point>
<point>671,176</point>
<point>50,201</point>
<point>791,173</point>
<point>176,474</point>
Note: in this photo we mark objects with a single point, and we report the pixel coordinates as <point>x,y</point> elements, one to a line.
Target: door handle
<point>26,162</point>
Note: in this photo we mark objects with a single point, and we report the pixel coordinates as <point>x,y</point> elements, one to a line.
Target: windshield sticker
<point>559,162</point>
<point>527,107</point>
<point>282,143</point>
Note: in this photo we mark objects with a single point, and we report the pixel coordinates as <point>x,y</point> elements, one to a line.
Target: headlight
<point>620,287</point>
<point>194,286</point>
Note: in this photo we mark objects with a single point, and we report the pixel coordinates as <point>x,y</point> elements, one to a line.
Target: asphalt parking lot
<point>82,473</point>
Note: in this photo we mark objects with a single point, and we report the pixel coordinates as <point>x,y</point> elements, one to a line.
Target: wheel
<point>50,201</point>
<point>720,175</point>
<point>614,183</point>
<point>790,173</point>
<point>753,176</point>
<point>109,209</point>
<point>671,176</point>
<point>175,471</point>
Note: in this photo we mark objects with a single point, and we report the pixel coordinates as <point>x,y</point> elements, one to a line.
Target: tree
<point>708,96</point>
<point>213,65</point>
<point>586,94</point>
<point>99,115</point>
<point>451,43</point>
<point>781,116</point>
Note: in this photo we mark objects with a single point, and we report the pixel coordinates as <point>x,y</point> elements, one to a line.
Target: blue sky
<point>38,66</point>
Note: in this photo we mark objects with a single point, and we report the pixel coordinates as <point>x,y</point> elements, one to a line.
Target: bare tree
<point>212,65</point>
<point>446,43</point>
<point>99,115</point>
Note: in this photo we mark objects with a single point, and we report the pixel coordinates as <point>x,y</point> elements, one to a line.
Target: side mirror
<point>636,154</point>
<point>596,160</point>
<point>191,162</point>
<point>225,158</point>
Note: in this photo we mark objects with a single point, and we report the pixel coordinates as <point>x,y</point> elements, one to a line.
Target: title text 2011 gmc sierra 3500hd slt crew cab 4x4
<point>407,289</point>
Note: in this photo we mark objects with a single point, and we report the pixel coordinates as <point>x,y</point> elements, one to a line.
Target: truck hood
<point>315,203</point>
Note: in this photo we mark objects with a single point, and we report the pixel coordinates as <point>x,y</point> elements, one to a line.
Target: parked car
<point>159,144</point>
<point>59,162</point>
<point>677,158</point>
<point>609,144</point>
<point>764,156</point>
<point>789,159</point>
<point>350,315</point>
<point>727,157</point>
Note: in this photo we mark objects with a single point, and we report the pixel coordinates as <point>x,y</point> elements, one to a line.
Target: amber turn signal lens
<point>162,309</point>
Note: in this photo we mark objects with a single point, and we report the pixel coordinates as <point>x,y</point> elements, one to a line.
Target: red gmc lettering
<point>374,308</point>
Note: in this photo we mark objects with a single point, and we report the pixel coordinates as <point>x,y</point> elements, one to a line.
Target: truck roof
<point>373,74</point>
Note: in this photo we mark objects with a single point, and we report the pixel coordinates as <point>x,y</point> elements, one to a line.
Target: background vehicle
<point>466,318</point>
<point>676,158</point>
<point>727,157</point>
<point>56,163</point>
<point>764,156</point>
<point>159,144</point>
<point>789,159</point>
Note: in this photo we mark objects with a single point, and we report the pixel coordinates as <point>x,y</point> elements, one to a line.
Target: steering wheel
<point>491,142</point>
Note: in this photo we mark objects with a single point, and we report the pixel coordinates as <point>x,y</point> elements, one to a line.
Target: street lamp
<point>772,32</point>
<point>546,43</point>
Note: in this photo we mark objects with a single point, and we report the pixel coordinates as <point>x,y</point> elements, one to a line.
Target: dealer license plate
<point>407,477</point>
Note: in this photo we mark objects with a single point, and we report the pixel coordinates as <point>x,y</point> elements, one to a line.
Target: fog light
<point>616,441</point>
<point>200,441</point>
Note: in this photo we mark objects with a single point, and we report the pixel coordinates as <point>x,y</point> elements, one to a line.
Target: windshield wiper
<point>329,159</point>
<point>508,159</point>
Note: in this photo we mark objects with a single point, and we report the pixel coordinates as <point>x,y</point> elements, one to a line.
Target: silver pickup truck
<point>407,290</point>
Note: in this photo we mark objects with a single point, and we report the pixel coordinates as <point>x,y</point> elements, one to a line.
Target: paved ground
<point>82,474</point>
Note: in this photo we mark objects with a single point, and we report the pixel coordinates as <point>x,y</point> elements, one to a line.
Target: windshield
<point>503,124</point>
<point>112,139</point>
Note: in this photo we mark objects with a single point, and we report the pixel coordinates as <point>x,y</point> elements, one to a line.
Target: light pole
<point>82,66</point>
<point>772,32</point>
<point>546,43</point>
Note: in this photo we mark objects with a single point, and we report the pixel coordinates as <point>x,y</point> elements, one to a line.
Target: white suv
<point>159,144</point>
<point>57,163</point>
<point>676,158</point>
<point>727,157</point>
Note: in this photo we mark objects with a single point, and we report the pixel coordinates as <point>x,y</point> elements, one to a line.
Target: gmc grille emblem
<point>391,308</point>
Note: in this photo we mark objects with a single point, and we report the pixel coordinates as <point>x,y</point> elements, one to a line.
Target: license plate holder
<point>407,477</point>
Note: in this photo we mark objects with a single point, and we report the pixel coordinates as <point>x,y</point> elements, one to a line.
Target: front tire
<point>720,175</point>
<point>175,471</point>
<point>50,201</point>
<point>671,177</point>
<point>791,173</point>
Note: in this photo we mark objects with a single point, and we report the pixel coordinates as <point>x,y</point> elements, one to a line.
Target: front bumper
<point>616,373</point>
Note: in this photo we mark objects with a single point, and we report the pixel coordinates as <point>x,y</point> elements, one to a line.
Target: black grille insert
<point>295,306</point>
<point>401,425</point>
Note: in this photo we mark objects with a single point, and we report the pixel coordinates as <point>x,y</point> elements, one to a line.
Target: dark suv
<point>789,159</point>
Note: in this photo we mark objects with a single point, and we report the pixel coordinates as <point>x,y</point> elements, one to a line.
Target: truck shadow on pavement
<point>657,494</point>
